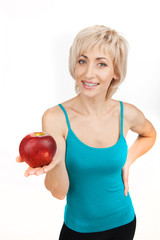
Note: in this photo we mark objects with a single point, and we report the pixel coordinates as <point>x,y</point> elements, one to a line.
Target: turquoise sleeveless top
<point>95,200</point>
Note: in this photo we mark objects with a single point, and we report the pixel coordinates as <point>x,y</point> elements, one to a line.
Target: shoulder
<point>53,120</point>
<point>137,121</point>
<point>134,117</point>
<point>53,112</point>
<point>131,112</point>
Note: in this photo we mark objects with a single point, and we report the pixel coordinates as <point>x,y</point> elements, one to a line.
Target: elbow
<point>55,193</point>
<point>154,136</point>
<point>58,196</point>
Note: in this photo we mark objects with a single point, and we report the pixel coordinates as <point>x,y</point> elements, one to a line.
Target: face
<point>94,72</point>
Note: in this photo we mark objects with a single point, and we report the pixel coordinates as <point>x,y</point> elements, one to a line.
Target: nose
<point>90,71</point>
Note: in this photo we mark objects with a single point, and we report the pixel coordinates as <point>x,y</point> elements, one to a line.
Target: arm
<point>144,142</point>
<point>146,133</point>
<point>56,180</point>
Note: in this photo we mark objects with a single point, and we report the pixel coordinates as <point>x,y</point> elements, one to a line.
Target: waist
<point>99,214</point>
<point>100,198</point>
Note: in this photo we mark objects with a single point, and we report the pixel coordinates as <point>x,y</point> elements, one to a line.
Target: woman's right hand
<point>39,170</point>
<point>52,123</point>
<point>58,158</point>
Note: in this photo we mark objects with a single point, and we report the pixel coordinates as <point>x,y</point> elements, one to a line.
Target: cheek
<point>78,72</point>
<point>75,73</point>
<point>107,77</point>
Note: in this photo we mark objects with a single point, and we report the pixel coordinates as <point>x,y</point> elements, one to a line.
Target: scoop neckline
<point>121,137</point>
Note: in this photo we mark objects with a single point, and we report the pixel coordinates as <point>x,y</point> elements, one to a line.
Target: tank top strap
<point>65,113</point>
<point>121,103</point>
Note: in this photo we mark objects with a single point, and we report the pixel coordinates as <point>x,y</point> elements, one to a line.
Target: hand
<point>125,177</point>
<point>37,171</point>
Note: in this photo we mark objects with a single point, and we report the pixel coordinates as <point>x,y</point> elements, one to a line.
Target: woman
<point>92,162</point>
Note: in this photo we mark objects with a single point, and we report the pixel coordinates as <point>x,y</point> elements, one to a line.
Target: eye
<point>81,61</point>
<point>103,65</point>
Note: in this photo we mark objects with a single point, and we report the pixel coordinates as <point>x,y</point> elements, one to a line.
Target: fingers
<point>126,189</point>
<point>36,171</point>
<point>19,159</point>
<point>126,186</point>
<point>27,172</point>
<point>40,170</point>
<point>125,176</point>
<point>33,171</point>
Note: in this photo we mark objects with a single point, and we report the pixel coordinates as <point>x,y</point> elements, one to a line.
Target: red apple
<point>37,149</point>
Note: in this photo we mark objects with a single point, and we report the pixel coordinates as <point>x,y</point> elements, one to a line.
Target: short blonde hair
<point>112,42</point>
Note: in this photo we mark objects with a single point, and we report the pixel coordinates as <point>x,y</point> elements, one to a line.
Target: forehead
<point>97,51</point>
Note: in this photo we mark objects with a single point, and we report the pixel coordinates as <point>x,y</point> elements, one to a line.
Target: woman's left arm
<point>144,141</point>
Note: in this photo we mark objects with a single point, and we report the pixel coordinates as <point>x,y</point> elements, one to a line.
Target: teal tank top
<point>95,200</point>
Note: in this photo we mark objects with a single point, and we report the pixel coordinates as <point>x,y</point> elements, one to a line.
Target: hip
<point>124,232</point>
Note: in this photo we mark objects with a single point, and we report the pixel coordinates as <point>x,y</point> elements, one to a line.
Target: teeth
<point>90,84</point>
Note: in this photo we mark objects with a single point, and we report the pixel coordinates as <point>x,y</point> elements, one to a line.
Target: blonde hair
<point>112,42</point>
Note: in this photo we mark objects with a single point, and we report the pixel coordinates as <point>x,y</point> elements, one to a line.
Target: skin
<point>92,118</point>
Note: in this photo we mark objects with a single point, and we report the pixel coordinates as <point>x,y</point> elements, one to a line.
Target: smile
<point>89,85</point>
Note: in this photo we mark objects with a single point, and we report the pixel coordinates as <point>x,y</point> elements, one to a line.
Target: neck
<point>93,106</point>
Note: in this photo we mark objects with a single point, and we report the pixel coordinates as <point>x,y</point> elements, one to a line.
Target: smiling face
<point>94,72</point>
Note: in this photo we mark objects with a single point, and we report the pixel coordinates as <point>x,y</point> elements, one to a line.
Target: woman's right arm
<point>56,180</point>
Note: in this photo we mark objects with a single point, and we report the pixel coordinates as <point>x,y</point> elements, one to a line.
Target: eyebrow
<point>98,58</point>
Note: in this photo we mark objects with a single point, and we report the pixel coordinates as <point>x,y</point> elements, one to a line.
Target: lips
<point>90,82</point>
<point>89,85</point>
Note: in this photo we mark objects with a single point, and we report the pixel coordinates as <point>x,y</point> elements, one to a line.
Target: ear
<point>116,77</point>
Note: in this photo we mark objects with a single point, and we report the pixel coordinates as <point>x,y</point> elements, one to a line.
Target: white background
<point>35,37</point>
